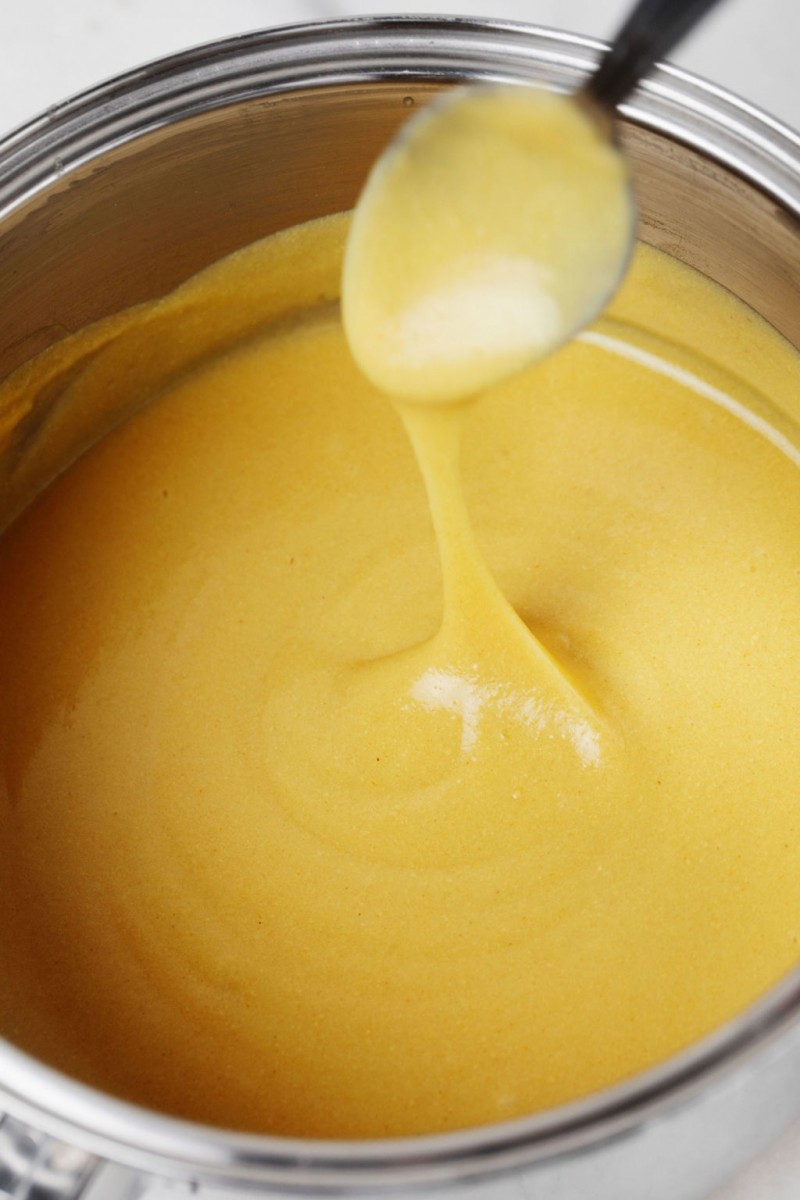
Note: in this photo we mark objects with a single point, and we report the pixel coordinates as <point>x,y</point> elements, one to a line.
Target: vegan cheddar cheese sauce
<point>311,829</point>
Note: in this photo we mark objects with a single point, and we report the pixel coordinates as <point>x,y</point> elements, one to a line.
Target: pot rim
<point>723,127</point>
<point>412,50</point>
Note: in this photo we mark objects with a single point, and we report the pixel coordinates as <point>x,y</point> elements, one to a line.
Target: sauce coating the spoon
<point>494,227</point>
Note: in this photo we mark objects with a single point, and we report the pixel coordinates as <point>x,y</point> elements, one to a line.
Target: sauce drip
<point>491,229</point>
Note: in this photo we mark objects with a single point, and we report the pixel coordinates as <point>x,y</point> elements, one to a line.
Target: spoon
<point>497,224</point>
<point>651,30</point>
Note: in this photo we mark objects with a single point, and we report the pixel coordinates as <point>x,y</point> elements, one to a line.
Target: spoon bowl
<point>497,225</point>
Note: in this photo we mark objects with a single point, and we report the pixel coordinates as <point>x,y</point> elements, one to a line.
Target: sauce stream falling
<point>487,234</point>
<point>480,629</point>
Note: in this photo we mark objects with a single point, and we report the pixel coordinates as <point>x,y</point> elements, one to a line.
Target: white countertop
<point>50,49</point>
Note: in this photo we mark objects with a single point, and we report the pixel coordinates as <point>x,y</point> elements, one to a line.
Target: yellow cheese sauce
<point>285,850</point>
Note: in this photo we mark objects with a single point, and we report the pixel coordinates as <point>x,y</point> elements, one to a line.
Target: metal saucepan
<point>118,195</point>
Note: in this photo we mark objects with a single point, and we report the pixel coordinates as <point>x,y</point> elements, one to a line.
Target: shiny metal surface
<point>35,1165</point>
<point>119,194</point>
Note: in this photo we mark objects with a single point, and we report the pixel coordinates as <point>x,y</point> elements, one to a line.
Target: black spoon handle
<point>648,34</point>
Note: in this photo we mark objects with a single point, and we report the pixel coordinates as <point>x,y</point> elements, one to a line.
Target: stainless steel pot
<point>116,196</point>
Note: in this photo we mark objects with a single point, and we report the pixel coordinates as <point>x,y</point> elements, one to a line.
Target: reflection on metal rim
<point>335,53</point>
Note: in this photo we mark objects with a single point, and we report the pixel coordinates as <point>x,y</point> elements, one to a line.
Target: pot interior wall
<point>132,224</point>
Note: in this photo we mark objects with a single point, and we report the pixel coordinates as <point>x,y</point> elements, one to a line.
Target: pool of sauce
<point>311,830</point>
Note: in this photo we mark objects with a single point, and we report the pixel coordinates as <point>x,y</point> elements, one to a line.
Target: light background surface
<point>50,49</point>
